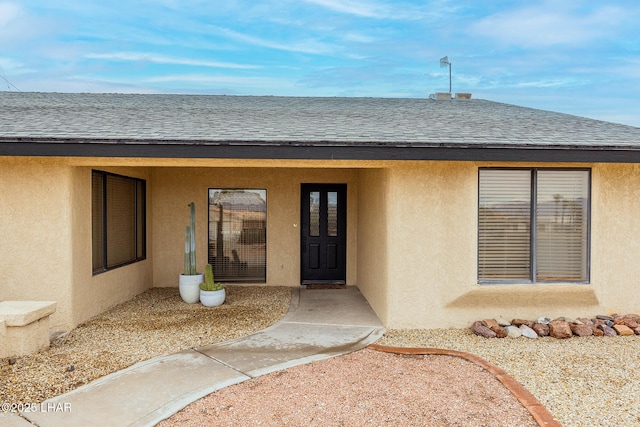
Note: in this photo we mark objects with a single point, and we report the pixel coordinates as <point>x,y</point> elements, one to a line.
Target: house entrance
<point>323,234</point>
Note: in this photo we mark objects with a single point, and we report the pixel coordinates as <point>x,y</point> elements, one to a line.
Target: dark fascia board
<point>318,151</point>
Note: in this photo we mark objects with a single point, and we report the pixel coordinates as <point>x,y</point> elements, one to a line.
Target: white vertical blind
<point>504,241</point>
<point>561,225</point>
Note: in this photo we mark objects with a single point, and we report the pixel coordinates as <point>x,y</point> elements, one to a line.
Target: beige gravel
<point>366,388</point>
<point>581,381</point>
<point>591,381</point>
<point>155,322</point>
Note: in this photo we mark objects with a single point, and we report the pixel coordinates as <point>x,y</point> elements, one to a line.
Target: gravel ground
<point>591,381</point>
<point>581,381</point>
<point>153,323</point>
<point>365,388</point>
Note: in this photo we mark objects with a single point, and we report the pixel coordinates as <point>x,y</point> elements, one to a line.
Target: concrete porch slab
<point>289,344</point>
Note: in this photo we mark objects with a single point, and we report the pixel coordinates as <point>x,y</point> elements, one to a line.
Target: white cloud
<point>10,64</point>
<point>358,8</point>
<point>9,12</point>
<point>550,23</point>
<point>426,11</point>
<point>204,78</point>
<point>358,37</point>
<point>304,46</point>
<point>161,59</point>
<point>226,83</point>
<point>542,83</point>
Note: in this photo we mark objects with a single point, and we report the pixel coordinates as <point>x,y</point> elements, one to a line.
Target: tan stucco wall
<point>432,251</point>
<point>45,249</point>
<point>431,211</point>
<point>412,236</point>
<point>93,294</point>
<point>35,238</point>
<point>615,238</point>
<point>373,276</point>
<point>176,187</point>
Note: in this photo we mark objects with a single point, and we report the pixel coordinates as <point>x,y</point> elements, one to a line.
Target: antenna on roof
<point>444,61</point>
<point>9,84</point>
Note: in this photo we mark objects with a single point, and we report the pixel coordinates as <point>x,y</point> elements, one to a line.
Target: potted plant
<point>190,281</point>
<point>211,294</point>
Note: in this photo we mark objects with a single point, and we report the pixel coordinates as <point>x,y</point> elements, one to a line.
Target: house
<point>440,211</point>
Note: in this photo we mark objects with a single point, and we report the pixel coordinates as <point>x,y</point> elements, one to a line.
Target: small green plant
<point>190,244</point>
<point>209,284</point>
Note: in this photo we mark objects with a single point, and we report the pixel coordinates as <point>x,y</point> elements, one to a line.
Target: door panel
<point>323,233</point>
<point>314,256</point>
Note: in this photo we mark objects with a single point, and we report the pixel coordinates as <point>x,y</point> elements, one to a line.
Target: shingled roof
<point>298,127</point>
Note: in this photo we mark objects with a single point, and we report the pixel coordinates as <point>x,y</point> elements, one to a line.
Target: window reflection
<point>314,213</point>
<point>332,213</point>
<point>237,234</point>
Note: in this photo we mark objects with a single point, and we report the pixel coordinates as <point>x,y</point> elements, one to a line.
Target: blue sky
<point>578,57</point>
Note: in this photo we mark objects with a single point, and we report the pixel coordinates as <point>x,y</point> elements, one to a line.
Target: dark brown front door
<point>323,233</point>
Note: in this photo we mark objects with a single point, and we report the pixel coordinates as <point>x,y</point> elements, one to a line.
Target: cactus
<point>190,244</point>
<point>209,284</point>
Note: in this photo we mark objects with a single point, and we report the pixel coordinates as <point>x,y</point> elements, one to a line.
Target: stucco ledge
<point>527,295</point>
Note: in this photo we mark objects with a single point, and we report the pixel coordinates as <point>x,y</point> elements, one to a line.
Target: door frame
<point>341,238</point>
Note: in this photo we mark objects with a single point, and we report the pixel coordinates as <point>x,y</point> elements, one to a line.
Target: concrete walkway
<point>320,324</point>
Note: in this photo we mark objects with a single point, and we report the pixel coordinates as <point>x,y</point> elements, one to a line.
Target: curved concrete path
<point>320,324</point>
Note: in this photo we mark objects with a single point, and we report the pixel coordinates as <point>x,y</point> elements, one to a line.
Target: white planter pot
<point>212,298</point>
<point>190,287</point>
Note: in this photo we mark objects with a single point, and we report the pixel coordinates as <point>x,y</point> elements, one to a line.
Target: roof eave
<point>317,150</point>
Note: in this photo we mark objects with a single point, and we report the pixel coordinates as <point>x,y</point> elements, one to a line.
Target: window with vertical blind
<point>117,220</point>
<point>533,225</point>
<point>238,234</point>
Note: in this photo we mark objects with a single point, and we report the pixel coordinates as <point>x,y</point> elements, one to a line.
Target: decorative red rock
<point>490,323</point>
<point>560,329</point>
<point>581,330</point>
<point>479,329</point>
<point>518,322</point>
<point>623,330</point>
<point>541,329</point>
<point>608,332</point>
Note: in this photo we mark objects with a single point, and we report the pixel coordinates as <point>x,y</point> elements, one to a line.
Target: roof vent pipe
<point>440,96</point>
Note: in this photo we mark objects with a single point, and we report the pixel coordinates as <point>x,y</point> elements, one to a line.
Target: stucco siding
<point>45,253</point>
<point>175,188</point>
<point>411,236</point>
<point>93,294</point>
<point>373,279</point>
<point>615,238</point>
<point>431,212</point>
<point>35,251</point>
<point>432,243</point>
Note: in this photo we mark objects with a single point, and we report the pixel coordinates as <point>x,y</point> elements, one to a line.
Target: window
<point>238,234</point>
<point>533,225</point>
<point>117,220</point>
